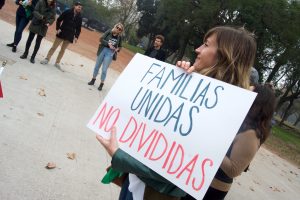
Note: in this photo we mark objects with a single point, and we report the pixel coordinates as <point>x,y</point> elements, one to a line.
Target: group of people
<point>227,54</point>
<point>111,44</point>
<point>42,14</point>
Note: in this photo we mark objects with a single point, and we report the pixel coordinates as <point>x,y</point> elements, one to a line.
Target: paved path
<point>35,130</point>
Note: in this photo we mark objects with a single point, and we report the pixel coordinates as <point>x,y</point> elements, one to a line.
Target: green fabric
<point>27,11</point>
<point>110,175</point>
<point>123,162</point>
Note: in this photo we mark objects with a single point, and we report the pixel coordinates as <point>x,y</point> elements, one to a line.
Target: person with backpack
<point>110,44</point>
<point>23,16</point>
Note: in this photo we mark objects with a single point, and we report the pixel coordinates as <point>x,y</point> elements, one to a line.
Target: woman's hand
<point>111,144</point>
<point>111,46</point>
<point>186,66</point>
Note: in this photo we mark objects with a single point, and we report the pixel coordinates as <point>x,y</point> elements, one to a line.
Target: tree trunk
<point>285,115</point>
<point>297,120</point>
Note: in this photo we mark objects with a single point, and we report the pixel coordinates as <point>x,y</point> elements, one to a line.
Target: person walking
<point>110,44</point>
<point>155,51</point>
<point>43,17</point>
<point>68,27</point>
<point>23,16</point>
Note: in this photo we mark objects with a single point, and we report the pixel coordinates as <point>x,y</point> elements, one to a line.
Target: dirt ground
<point>87,44</point>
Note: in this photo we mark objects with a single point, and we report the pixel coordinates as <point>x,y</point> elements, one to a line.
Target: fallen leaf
<point>276,189</point>
<point>40,114</point>
<point>71,156</point>
<point>23,78</point>
<point>42,92</point>
<point>81,65</point>
<point>50,165</point>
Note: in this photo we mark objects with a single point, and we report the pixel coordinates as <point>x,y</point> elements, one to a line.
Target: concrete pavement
<point>35,130</point>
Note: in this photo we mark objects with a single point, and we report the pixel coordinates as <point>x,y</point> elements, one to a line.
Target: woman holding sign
<point>227,55</point>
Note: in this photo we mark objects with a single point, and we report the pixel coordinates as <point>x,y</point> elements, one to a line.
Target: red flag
<point>1,94</point>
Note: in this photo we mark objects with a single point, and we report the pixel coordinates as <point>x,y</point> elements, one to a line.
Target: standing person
<point>68,27</point>
<point>2,2</point>
<point>43,17</point>
<point>227,55</point>
<point>110,44</point>
<point>156,50</point>
<point>23,16</point>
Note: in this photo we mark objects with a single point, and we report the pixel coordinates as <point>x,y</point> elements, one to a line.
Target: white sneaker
<point>45,61</point>
<point>57,65</point>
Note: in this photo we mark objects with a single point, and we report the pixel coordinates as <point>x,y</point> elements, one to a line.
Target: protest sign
<point>180,125</point>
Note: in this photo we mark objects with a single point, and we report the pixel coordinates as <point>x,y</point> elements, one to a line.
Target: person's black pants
<point>21,23</point>
<point>211,194</point>
<point>37,43</point>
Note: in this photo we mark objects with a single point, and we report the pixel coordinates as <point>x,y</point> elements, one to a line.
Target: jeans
<point>104,58</point>
<point>125,194</point>
<point>21,23</point>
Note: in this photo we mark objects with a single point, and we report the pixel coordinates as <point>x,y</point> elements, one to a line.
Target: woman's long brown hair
<point>262,110</point>
<point>236,54</point>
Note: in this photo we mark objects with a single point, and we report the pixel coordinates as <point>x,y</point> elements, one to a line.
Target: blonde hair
<point>115,28</point>
<point>236,53</point>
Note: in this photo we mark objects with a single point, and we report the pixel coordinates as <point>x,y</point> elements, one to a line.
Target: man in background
<point>68,27</point>
<point>156,51</point>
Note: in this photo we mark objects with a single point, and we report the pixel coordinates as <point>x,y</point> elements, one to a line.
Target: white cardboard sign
<point>177,124</point>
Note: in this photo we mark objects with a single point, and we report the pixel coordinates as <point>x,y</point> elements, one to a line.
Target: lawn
<point>132,48</point>
<point>285,142</point>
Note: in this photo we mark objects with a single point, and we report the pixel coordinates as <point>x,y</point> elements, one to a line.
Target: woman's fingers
<point>111,144</point>
<point>184,65</point>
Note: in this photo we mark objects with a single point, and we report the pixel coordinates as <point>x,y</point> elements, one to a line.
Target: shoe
<point>10,45</point>
<point>14,49</point>
<point>92,82</point>
<point>100,86</point>
<point>45,61</point>
<point>57,65</point>
<point>24,56</point>
<point>32,60</point>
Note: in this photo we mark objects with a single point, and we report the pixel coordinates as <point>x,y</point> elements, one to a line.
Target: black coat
<point>161,55</point>
<point>69,25</point>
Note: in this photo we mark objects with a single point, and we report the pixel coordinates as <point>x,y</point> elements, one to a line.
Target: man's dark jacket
<point>161,55</point>
<point>69,24</point>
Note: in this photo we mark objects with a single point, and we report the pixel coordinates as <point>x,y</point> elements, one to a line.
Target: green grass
<point>287,136</point>
<point>285,142</point>
<point>132,48</point>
